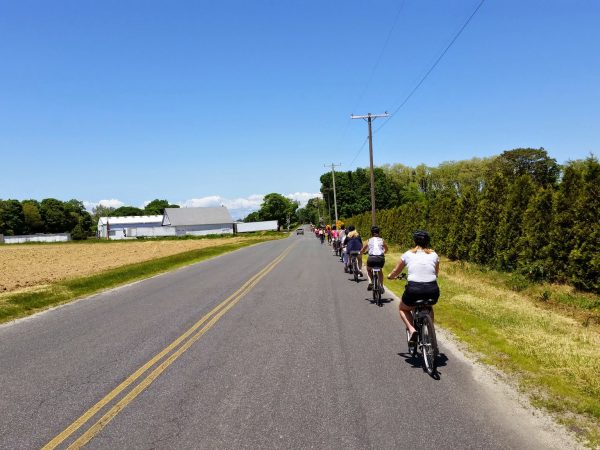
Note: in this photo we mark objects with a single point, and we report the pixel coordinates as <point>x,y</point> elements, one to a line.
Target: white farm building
<point>123,227</point>
<point>174,222</point>
<point>199,221</point>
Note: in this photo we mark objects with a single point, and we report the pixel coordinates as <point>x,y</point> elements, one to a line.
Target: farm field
<point>27,266</point>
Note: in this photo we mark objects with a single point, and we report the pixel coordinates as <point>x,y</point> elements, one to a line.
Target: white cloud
<point>303,197</point>
<point>112,203</point>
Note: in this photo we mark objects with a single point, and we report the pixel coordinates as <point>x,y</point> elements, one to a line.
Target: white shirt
<point>376,246</point>
<point>421,266</point>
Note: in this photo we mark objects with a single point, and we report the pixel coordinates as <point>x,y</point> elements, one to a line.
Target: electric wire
<point>418,85</point>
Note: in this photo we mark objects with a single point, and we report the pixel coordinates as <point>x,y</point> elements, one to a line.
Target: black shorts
<point>376,261</point>
<point>421,291</point>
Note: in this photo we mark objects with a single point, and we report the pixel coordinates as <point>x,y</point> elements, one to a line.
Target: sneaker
<point>360,274</point>
<point>370,287</point>
<point>413,337</point>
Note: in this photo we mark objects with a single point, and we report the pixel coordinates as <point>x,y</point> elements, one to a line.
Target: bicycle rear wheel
<point>376,288</point>
<point>355,269</point>
<point>429,348</point>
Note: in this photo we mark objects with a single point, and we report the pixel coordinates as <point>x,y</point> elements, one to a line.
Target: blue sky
<point>205,103</point>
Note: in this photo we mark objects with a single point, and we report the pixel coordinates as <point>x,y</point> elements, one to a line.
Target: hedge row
<point>545,227</point>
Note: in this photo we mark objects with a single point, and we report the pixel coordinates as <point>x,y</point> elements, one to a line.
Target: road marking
<point>211,317</point>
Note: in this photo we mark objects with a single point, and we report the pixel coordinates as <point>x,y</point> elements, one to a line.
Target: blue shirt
<point>354,244</point>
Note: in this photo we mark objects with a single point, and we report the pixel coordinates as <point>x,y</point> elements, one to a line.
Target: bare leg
<point>406,317</point>
<point>370,274</point>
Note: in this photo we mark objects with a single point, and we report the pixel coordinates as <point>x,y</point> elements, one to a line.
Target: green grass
<point>546,336</point>
<point>15,305</point>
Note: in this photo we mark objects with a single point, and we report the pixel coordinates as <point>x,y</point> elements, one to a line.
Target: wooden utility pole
<point>333,166</point>
<point>369,118</point>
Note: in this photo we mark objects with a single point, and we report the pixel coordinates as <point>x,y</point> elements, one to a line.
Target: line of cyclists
<point>421,262</point>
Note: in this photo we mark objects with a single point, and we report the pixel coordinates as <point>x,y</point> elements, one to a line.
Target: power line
<point>372,74</point>
<point>433,66</point>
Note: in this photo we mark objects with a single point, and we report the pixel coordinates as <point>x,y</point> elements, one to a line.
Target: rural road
<point>290,354</point>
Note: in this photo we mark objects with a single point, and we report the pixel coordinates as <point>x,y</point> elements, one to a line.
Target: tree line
<point>55,216</point>
<point>275,207</point>
<point>519,211</point>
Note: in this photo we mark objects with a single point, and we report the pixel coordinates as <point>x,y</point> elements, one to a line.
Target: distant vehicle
<point>300,231</point>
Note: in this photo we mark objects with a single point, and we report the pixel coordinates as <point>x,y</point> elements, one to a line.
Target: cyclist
<point>321,235</point>
<point>376,247</point>
<point>345,257</point>
<point>353,246</point>
<point>341,238</point>
<point>423,266</point>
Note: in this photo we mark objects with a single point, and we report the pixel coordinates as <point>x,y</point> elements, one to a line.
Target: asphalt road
<point>298,358</point>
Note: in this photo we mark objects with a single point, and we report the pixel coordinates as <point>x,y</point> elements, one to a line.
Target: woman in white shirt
<point>423,266</point>
<point>376,248</point>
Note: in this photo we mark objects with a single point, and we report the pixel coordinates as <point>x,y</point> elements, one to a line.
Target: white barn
<point>198,221</point>
<point>128,226</point>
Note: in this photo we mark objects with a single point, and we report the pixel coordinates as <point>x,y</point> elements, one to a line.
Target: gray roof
<point>196,216</point>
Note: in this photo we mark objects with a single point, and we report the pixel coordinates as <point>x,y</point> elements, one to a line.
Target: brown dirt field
<point>26,266</point>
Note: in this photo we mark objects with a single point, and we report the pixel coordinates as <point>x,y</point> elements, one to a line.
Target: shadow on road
<point>383,301</point>
<point>417,363</point>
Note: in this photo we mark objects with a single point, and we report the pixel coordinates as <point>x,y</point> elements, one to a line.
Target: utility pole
<point>333,166</point>
<point>369,118</point>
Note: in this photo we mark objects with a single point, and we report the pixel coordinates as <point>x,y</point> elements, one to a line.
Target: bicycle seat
<point>425,302</point>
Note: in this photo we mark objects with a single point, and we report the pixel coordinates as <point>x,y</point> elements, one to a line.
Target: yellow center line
<point>214,315</point>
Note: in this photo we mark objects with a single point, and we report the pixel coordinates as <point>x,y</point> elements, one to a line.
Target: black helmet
<point>374,229</point>
<point>421,238</point>
<point>351,228</point>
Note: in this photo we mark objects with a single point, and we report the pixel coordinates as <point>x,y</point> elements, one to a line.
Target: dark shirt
<point>354,244</point>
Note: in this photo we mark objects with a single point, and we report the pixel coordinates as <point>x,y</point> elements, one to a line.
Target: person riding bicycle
<point>354,245</point>
<point>423,266</point>
<point>376,248</point>
<point>345,257</point>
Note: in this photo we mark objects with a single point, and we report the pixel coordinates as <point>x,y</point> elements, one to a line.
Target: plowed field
<point>25,266</point>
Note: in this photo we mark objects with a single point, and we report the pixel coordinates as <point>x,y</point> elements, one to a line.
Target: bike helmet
<point>374,230</point>
<point>351,228</point>
<point>421,238</point>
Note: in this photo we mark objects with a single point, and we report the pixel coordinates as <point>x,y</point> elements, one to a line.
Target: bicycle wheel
<point>375,286</point>
<point>429,348</point>
<point>355,269</point>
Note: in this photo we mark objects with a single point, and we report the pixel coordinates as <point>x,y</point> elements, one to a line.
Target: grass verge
<point>545,336</point>
<point>21,304</point>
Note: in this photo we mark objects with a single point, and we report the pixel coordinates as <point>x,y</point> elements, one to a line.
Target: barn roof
<point>197,216</point>
<point>127,220</point>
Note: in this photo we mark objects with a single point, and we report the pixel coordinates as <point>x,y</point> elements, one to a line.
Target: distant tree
<point>100,211</point>
<point>489,209</point>
<point>536,163</point>
<point>534,244</point>
<point>127,211</point>
<point>564,219</point>
<point>12,220</point>
<point>584,258</point>
<point>157,207</point>
<point>32,217</point>
<point>510,227</point>
<point>54,215</point>
<point>462,232</point>
<point>277,207</point>
<point>253,217</point>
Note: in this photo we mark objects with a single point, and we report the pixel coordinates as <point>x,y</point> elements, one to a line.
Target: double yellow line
<point>182,344</point>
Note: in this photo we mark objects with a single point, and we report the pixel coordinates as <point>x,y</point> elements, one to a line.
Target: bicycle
<point>426,341</point>
<point>354,265</point>
<point>377,287</point>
